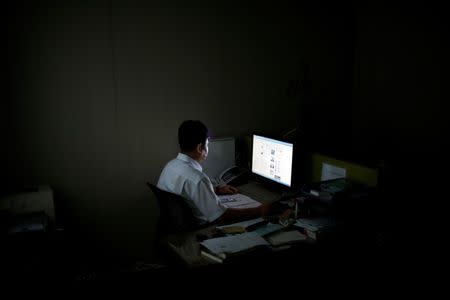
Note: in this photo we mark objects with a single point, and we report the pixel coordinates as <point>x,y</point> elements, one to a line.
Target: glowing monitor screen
<point>272,159</point>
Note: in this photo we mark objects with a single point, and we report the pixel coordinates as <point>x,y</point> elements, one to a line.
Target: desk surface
<point>258,192</point>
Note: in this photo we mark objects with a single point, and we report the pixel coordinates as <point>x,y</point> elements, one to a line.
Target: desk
<point>356,235</point>
<point>258,192</point>
<point>187,248</point>
<point>349,248</point>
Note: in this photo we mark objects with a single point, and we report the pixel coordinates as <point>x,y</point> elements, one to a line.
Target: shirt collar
<point>193,162</point>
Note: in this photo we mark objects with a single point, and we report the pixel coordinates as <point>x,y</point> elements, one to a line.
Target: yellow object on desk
<point>233,229</point>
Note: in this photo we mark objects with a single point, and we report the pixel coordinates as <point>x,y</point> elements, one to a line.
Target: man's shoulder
<point>174,164</point>
<point>195,175</point>
<point>185,170</point>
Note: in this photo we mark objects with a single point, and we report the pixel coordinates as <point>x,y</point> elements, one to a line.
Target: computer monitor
<point>272,159</point>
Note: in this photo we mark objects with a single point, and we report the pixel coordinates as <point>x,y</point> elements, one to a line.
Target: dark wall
<point>401,88</point>
<point>327,81</point>
<point>401,77</point>
<point>97,90</point>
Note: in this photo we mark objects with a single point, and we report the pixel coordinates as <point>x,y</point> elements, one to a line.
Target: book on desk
<point>223,247</point>
<point>257,235</point>
<point>316,228</point>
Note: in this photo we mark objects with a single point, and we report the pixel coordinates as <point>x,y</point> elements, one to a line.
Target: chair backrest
<point>175,213</point>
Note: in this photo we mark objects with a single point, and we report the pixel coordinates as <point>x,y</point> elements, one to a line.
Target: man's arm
<point>235,214</point>
<point>225,190</point>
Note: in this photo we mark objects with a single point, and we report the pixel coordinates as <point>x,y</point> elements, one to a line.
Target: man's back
<point>176,173</point>
<point>183,176</point>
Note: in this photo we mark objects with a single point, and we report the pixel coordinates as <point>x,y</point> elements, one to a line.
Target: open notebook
<point>238,201</point>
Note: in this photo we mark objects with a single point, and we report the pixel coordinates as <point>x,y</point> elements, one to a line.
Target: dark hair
<point>191,133</point>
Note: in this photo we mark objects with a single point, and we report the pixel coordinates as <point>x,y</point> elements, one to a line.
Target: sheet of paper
<point>285,237</point>
<point>332,172</point>
<point>238,201</point>
<point>269,228</point>
<point>235,243</point>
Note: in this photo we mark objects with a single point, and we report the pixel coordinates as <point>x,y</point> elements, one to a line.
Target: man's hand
<point>226,190</point>
<point>286,214</point>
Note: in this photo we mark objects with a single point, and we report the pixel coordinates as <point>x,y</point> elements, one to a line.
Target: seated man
<point>184,176</point>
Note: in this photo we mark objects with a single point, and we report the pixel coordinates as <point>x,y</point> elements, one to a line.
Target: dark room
<point>96,92</point>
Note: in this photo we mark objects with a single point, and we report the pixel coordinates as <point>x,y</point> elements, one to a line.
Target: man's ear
<point>199,148</point>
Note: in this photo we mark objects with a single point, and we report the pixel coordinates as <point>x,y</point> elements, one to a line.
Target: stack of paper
<point>315,227</point>
<point>234,244</point>
<point>315,224</point>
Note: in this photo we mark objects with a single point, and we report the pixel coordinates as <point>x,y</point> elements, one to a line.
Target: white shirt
<point>184,176</point>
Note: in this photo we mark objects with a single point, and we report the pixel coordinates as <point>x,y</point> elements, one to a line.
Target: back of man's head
<point>190,134</point>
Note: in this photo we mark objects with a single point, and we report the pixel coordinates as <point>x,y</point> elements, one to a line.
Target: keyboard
<point>258,192</point>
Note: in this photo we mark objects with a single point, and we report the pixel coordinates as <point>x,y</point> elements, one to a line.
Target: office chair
<point>175,214</point>
<point>175,217</point>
